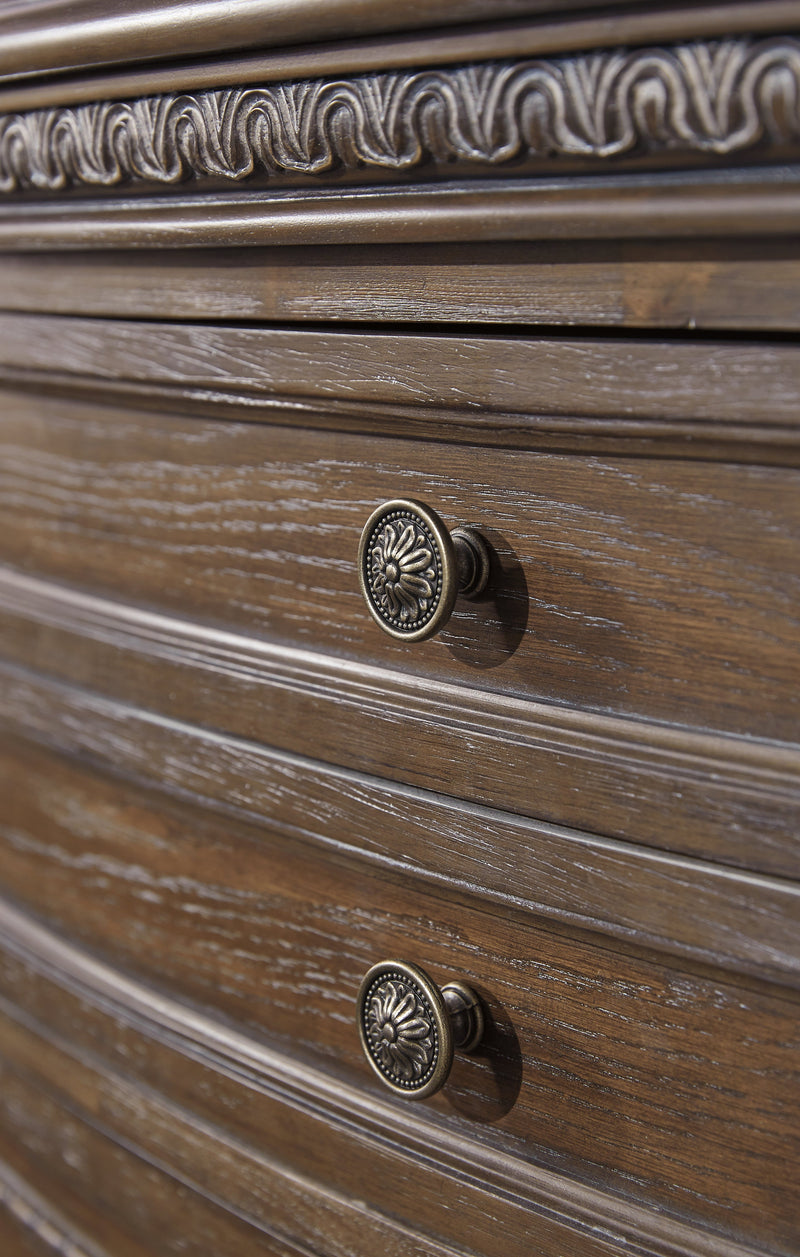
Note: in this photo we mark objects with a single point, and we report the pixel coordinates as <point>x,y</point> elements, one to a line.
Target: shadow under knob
<point>409,1028</point>
<point>411,569</point>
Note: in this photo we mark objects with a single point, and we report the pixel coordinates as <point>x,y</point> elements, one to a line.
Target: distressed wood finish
<point>250,932</point>
<point>486,1198</point>
<point>725,799</point>
<point>606,573</point>
<point>180,1215</point>
<point>506,382</point>
<point>261,270</point>
<point>738,285</point>
<point>746,922</point>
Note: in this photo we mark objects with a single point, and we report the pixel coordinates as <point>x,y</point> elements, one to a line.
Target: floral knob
<point>411,569</point>
<point>409,1028</point>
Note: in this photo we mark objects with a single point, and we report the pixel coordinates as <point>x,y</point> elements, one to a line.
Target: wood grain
<point>624,1063</point>
<point>32,1225</point>
<point>502,377</point>
<point>141,1143</point>
<point>609,574</point>
<point>73,1139</point>
<point>707,440</point>
<point>224,795</point>
<point>738,284</point>
<point>441,1171</point>
<point>675,905</point>
<point>719,798</point>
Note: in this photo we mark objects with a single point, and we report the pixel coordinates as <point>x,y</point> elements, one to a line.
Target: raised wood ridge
<point>669,787</point>
<point>766,203</point>
<point>593,394</point>
<point>53,35</point>
<point>742,921</point>
<point>633,23</point>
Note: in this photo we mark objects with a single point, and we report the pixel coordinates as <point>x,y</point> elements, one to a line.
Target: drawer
<point>657,588</point>
<point>547,288</point>
<point>605,1060</point>
<point>99,1072</point>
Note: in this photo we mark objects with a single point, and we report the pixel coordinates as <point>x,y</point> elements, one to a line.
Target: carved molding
<point>712,98</point>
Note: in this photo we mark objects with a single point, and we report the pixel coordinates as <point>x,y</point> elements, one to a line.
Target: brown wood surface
<point>762,202</point>
<point>63,35</point>
<point>497,377</point>
<point>721,798</point>
<point>631,24</point>
<point>684,398</point>
<point>19,1240</point>
<point>739,284</point>
<point>603,1061</point>
<point>661,589</point>
<point>483,1197</point>
<point>443,1175</point>
<point>100,1118</point>
<point>224,794</point>
<point>163,1213</point>
<point>675,905</point>
<point>42,1221</point>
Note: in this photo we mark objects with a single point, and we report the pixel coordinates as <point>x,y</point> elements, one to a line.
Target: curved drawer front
<point>601,1059</point>
<point>657,588</point>
<point>389,705</point>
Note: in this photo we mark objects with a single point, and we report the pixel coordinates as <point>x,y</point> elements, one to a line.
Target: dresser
<point>399,629</point>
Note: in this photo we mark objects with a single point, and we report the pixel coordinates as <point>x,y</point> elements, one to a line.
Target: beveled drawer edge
<point>763,443</point>
<point>80,637</point>
<point>621,1227</point>
<point>475,379</point>
<point>689,908</point>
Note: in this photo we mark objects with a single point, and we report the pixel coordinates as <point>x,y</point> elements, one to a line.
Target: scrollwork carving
<point>711,98</point>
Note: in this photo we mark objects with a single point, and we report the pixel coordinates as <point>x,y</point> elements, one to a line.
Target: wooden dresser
<point>266,266</point>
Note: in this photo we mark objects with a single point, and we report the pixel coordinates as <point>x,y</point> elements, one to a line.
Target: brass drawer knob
<point>409,1028</point>
<point>411,569</point>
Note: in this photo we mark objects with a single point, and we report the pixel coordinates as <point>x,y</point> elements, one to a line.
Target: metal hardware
<point>411,569</point>
<point>409,1028</point>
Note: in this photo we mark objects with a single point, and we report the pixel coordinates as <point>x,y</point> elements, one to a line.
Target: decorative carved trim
<point>708,98</point>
